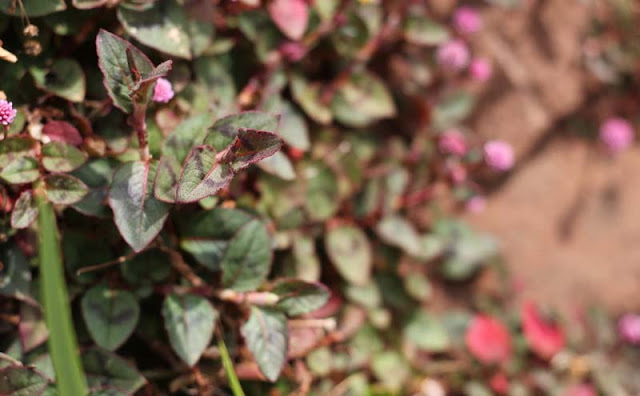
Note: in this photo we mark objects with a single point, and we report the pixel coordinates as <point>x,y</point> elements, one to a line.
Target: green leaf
<point>297,297</point>
<point>147,267</point>
<point>278,165</point>
<point>233,241</point>
<point>202,176</point>
<point>267,338</point>
<point>252,146</point>
<point>64,189</point>
<point>293,127</point>
<point>21,381</point>
<point>424,31</point>
<point>307,95</point>
<point>15,147</point>
<point>168,27</point>
<point>113,60</point>
<point>107,370</point>
<point>350,252</point>
<point>138,215</point>
<point>25,210</point>
<point>225,130</point>
<point>63,347</point>
<point>16,274</point>
<point>189,133</point>
<point>190,322</point>
<point>33,8</point>
<point>247,259</point>
<point>427,332</point>
<point>97,175</point>
<point>64,78</point>
<point>110,315</point>
<point>20,170</point>
<point>88,4</point>
<point>322,200</point>
<point>452,109</point>
<point>61,157</point>
<point>363,100</point>
<point>391,368</point>
<point>398,232</point>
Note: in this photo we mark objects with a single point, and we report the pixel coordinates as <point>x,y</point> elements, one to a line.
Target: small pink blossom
<point>580,390</point>
<point>293,51</point>
<point>499,383</point>
<point>163,92</point>
<point>453,54</point>
<point>616,134</point>
<point>480,69</point>
<point>629,328</point>
<point>499,155</point>
<point>477,204</point>
<point>452,142</point>
<point>467,20</point>
<point>488,340</point>
<point>7,112</point>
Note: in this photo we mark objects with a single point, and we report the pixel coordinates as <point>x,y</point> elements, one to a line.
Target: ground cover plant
<point>203,197</point>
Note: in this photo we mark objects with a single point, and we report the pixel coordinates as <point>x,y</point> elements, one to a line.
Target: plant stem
<point>234,383</point>
<point>138,122</point>
<point>63,346</point>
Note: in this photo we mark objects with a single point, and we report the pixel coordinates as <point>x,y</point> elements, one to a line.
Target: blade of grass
<point>229,370</point>
<point>62,343</point>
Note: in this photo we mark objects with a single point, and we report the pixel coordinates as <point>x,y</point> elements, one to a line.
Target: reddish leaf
<point>62,131</point>
<point>488,340</point>
<point>544,338</point>
<point>291,17</point>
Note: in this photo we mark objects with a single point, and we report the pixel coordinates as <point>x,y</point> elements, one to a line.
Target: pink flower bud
<point>453,54</point>
<point>466,20</point>
<point>293,51</point>
<point>452,142</point>
<point>499,155</point>
<point>163,92</point>
<point>480,69</point>
<point>7,112</point>
<point>457,172</point>
<point>629,328</point>
<point>616,134</point>
<point>477,204</point>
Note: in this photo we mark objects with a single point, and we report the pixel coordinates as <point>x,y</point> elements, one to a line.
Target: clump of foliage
<point>254,197</point>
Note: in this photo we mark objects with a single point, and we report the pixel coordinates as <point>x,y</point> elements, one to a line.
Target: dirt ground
<point>568,216</point>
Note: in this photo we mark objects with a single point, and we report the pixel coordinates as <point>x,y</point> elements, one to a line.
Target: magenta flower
<point>616,134</point>
<point>452,142</point>
<point>163,92</point>
<point>7,112</point>
<point>629,328</point>
<point>477,204</point>
<point>499,155</point>
<point>480,69</point>
<point>453,54</point>
<point>488,340</point>
<point>466,20</point>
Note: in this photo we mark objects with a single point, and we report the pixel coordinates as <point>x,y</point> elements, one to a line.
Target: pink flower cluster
<point>453,54</point>
<point>629,328</point>
<point>453,142</point>
<point>480,69</point>
<point>163,91</point>
<point>7,112</point>
<point>499,155</point>
<point>616,134</point>
<point>466,20</point>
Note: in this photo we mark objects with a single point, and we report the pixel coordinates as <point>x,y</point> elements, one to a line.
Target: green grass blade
<point>229,370</point>
<point>63,346</point>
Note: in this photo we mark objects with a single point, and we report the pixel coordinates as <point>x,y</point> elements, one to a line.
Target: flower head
<point>453,54</point>
<point>499,155</point>
<point>452,142</point>
<point>629,328</point>
<point>488,340</point>
<point>480,69</point>
<point>467,20</point>
<point>7,112</point>
<point>477,204</point>
<point>544,338</point>
<point>616,134</point>
<point>162,92</point>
